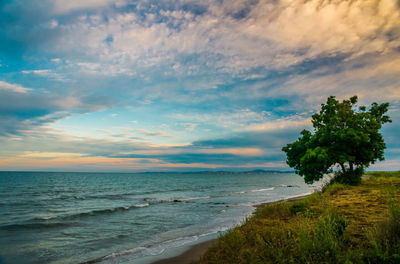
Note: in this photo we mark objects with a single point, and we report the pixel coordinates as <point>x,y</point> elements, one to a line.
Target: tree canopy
<point>344,136</point>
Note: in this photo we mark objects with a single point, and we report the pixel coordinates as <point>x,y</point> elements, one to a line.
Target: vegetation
<point>345,135</point>
<point>343,224</point>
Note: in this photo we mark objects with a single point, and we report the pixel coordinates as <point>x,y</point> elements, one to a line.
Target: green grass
<point>385,237</point>
<point>383,173</point>
<point>344,224</point>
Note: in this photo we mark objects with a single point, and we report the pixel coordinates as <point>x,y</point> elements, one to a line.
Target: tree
<point>345,136</point>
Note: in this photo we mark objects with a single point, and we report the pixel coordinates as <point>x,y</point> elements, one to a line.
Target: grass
<point>344,224</point>
<point>383,173</point>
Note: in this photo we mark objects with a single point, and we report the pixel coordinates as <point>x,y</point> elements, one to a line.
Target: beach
<point>192,254</point>
<point>196,251</point>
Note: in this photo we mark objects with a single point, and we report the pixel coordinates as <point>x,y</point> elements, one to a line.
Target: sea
<point>70,217</point>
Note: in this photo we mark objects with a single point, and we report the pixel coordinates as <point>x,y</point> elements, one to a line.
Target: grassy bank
<point>344,224</point>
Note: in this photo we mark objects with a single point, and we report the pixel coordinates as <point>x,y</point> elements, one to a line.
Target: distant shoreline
<point>197,250</point>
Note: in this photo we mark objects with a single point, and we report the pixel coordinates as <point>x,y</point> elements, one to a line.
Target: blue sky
<point>99,85</point>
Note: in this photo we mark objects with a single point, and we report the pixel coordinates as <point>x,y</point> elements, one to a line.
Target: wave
<point>91,213</point>
<point>156,249</point>
<point>263,190</point>
<point>120,196</point>
<point>194,198</point>
<point>176,200</point>
<point>288,186</point>
<point>283,198</point>
<point>106,211</point>
<point>30,226</point>
<point>256,190</point>
<point>144,251</point>
<point>47,219</point>
<point>142,205</point>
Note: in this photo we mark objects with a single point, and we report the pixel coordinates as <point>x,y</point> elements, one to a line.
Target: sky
<point>124,86</point>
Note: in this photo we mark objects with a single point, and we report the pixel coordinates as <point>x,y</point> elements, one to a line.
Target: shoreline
<point>196,251</point>
<point>192,254</point>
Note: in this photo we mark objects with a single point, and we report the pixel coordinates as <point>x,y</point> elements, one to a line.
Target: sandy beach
<point>192,254</point>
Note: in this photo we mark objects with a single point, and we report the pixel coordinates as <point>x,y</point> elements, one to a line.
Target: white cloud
<point>56,60</point>
<point>104,69</point>
<point>272,35</point>
<point>68,102</point>
<point>375,79</point>
<point>51,155</point>
<point>236,120</point>
<point>151,133</point>
<point>53,23</point>
<point>65,6</point>
<point>189,126</point>
<point>45,73</point>
<point>13,87</point>
<point>281,124</point>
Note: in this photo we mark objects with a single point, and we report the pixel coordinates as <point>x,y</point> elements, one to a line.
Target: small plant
<point>385,237</point>
<point>323,244</point>
<point>334,188</point>
<point>299,207</point>
<point>274,210</point>
<point>302,208</point>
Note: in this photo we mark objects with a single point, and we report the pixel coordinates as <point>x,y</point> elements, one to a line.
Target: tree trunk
<point>343,168</point>
<point>351,166</point>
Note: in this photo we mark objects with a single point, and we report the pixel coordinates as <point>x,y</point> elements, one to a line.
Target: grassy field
<point>343,224</point>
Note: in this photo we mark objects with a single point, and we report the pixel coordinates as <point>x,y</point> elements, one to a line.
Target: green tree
<point>345,136</point>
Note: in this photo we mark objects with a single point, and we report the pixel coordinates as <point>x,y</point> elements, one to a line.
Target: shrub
<point>350,177</point>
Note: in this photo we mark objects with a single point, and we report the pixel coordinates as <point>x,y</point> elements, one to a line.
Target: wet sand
<point>192,254</point>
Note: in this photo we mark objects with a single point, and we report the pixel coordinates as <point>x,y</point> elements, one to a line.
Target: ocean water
<point>53,217</point>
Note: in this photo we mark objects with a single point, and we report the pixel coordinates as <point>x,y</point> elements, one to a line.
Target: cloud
<point>243,149</point>
<point>152,133</point>
<point>56,60</point>
<point>45,73</point>
<point>182,44</point>
<point>233,151</point>
<point>303,50</point>
<point>189,126</point>
<point>13,87</point>
<point>372,78</point>
<point>258,148</point>
<point>281,124</point>
<point>21,110</point>
<point>104,69</point>
<point>230,33</point>
<point>238,79</point>
<point>234,120</point>
<point>51,155</point>
<point>65,6</point>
